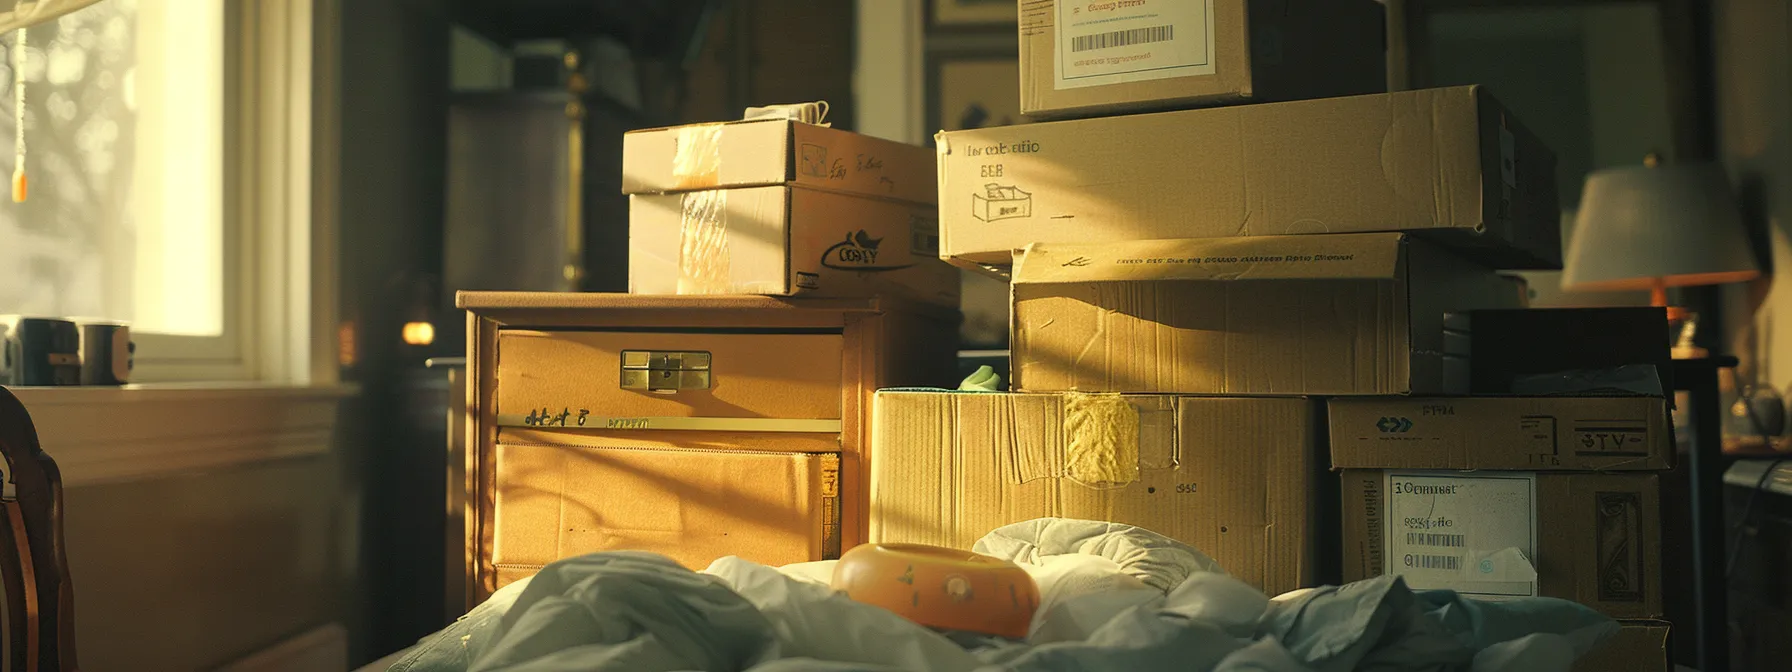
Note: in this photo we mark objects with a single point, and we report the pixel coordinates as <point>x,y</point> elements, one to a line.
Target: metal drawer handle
<point>665,371</point>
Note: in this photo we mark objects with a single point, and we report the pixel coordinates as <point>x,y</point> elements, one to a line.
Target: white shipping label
<point>1476,535</point>
<point>1113,41</point>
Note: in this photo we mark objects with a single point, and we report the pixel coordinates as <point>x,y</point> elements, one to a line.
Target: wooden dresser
<point>693,426</point>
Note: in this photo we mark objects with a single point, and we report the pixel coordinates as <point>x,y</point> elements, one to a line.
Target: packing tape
<point>1101,440</point>
<point>697,157</point>
<point>703,261</point>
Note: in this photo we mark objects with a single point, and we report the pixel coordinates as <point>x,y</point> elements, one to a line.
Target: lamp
<point>1657,226</point>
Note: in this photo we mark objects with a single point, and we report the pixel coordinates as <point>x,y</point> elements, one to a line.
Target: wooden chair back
<point>39,603</point>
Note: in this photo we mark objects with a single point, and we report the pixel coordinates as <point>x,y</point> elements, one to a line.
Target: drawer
<point>725,375</point>
<point>694,506</point>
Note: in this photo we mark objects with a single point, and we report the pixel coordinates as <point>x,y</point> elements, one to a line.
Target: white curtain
<point>16,14</point>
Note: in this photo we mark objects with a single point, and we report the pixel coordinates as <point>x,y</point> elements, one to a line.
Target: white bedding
<point>1114,598</point>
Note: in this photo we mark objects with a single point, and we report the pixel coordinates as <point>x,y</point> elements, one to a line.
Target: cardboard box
<point>1484,534</point>
<point>1639,646</point>
<point>1450,163</point>
<point>785,241</point>
<point>770,152</point>
<point>1356,314</point>
<point>692,505</point>
<point>1555,433</point>
<point>1091,58</point>
<point>1239,479</point>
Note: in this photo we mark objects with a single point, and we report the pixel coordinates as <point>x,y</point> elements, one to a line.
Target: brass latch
<point>664,372</point>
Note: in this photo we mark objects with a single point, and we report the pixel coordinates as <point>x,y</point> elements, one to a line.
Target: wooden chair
<point>40,632</point>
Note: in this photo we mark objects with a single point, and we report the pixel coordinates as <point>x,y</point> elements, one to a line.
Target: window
<point>169,180</point>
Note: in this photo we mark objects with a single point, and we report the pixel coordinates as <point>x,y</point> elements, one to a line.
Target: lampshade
<point>1647,227</point>
<point>16,14</point>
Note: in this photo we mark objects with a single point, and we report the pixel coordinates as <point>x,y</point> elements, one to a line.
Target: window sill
<point>136,432</point>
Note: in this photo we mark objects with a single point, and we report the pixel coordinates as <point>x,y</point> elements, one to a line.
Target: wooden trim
<point>856,375</point>
<point>323,648</point>
<point>109,435</point>
<point>280,204</point>
<point>455,545</point>
<point>482,436</point>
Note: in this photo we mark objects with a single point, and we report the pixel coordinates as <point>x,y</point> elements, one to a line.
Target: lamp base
<point>1658,297</point>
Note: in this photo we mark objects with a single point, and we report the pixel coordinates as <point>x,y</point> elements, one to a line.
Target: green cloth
<point>984,379</point>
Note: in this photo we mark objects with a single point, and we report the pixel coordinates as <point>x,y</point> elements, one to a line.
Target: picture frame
<point>953,14</point>
<point>971,88</point>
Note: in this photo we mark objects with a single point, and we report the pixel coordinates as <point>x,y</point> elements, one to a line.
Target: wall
<point>195,572</point>
<point>1754,117</point>
<point>761,52</point>
<point>1589,81</point>
<point>395,69</point>
<point>1752,44</point>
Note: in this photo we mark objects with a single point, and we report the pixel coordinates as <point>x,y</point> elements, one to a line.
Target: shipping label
<point>1113,41</point>
<point>1475,534</point>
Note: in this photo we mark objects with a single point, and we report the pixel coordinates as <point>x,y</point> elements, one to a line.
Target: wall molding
<point>111,435</point>
<point>323,649</point>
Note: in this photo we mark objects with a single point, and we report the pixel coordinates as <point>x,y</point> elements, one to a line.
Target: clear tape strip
<point>703,258</point>
<point>697,157</point>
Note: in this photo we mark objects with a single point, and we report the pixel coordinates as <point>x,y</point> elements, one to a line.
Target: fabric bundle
<point>1114,598</point>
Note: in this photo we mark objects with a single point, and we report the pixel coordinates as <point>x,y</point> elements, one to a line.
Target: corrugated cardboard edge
<point>1238,259</point>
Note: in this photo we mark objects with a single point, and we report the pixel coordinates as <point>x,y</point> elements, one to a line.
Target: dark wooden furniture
<point>1703,503</point>
<point>39,599</point>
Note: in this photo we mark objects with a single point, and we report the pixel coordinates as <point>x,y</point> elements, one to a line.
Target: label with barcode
<point>1447,530</point>
<point>1113,41</point>
<point>1444,562</point>
<point>1439,540</point>
<point>1122,38</point>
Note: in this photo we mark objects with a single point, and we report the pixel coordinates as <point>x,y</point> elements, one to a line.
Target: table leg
<point>1709,532</point>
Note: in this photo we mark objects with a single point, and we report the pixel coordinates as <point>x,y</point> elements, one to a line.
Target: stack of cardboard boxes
<point>1196,291</point>
<point>1212,309</point>
<point>1187,283</point>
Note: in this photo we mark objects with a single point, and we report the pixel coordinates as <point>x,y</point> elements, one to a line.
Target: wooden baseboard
<point>324,649</point>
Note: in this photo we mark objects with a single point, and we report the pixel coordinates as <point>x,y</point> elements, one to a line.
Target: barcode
<point>1122,38</point>
<point>1447,562</point>
<point>1424,539</point>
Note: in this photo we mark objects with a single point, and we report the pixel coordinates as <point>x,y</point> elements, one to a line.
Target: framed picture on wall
<point>971,13</point>
<point>975,89</point>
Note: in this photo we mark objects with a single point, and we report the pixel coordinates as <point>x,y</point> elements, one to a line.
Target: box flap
<point>774,152</point>
<point>706,156</point>
<point>1368,256</point>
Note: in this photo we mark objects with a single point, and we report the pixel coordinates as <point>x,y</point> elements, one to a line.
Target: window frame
<point>279,196</point>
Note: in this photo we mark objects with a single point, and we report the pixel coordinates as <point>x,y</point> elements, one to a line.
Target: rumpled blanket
<point>1115,598</point>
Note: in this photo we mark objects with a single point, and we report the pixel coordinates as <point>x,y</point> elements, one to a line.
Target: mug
<point>39,351</point>
<point>107,354</point>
